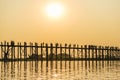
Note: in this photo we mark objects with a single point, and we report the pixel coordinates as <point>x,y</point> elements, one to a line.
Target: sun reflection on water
<point>69,70</point>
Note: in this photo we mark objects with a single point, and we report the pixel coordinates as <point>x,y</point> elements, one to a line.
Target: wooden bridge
<point>11,51</point>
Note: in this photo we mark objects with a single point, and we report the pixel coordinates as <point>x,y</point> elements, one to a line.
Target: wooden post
<point>69,52</point>
<point>107,52</point>
<point>42,51</point>
<point>85,48</point>
<point>92,47</point>
<point>65,51</point>
<point>20,52</point>
<point>46,52</point>
<point>36,50</point>
<point>1,50</point>
<point>74,46</point>
<point>61,56</point>
<point>56,47</point>
<point>51,52</point>
<point>12,49</point>
<point>99,52</point>
<point>69,55</point>
<point>89,52</point>
<point>110,53</point>
<point>102,53</point>
<point>78,56</point>
<point>5,48</point>
<point>65,55</point>
<point>25,50</point>
<point>61,52</point>
<point>96,54</point>
<point>81,52</point>
<point>116,52</point>
<point>30,49</point>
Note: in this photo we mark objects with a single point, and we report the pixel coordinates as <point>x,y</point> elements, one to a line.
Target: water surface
<point>60,70</point>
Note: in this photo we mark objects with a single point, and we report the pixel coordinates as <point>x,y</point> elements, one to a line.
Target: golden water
<point>69,70</point>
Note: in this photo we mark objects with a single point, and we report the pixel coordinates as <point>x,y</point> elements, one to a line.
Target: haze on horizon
<point>82,21</point>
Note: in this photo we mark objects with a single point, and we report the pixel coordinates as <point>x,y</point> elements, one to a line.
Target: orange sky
<point>83,21</point>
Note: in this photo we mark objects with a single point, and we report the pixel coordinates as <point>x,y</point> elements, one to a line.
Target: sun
<point>54,10</point>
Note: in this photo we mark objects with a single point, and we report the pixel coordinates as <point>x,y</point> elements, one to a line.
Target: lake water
<point>57,70</point>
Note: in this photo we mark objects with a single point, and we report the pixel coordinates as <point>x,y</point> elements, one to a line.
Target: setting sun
<point>54,10</point>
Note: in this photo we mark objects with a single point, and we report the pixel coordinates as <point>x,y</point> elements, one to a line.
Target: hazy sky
<point>82,21</point>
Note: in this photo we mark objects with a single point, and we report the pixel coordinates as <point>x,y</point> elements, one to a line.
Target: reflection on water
<point>60,70</point>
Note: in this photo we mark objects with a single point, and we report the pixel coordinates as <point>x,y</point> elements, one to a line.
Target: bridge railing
<point>45,51</point>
